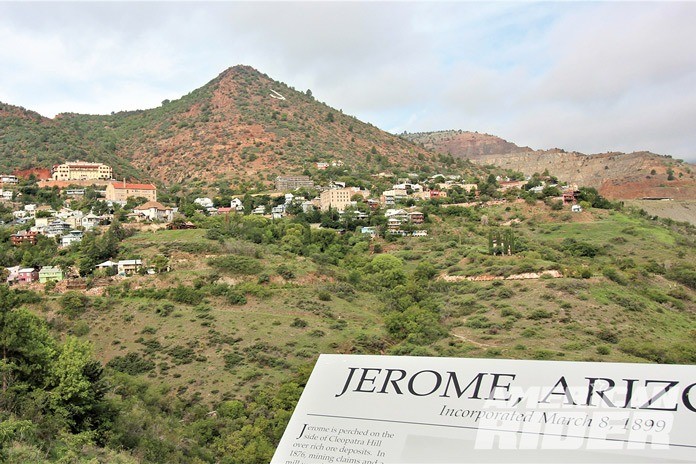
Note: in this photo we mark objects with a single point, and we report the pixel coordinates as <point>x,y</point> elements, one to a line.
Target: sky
<point>584,76</point>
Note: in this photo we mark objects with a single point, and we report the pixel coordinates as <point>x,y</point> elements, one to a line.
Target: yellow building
<point>338,199</point>
<point>80,170</point>
<point>121,191</point>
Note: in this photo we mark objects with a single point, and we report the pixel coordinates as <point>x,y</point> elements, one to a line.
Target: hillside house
<point>8,179</point>
<point>6,195</point>
<point>576,208</point>
<point>409,187</point>
<point>155,211</point>
<point>400,214</point>
<point>391,197</point>
<point>393,224</point>
<point>56,228</point>
<point>27,275</point>
<point>416,217</point>
<point>12,274</point>
<point>119,192</point>
<point>570,196</point>
<point>237,204</point>
<point>24,236</point>
<point>74,236</point>
<point>511,184</point>
<point>90,221</point>
<point>420,233</point>
<point>204,202</point>
<point>50,274</point>
<point>127,267</point>
<point>42,222</point>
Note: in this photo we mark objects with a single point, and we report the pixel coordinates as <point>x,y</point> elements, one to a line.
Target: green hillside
<point>209,358</point>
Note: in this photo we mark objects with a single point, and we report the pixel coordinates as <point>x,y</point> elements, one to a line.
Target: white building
<point>73,236</point>
<point>8,179</point>
<point>155,211</point>
<point>237,204</point>
<point>204,202</point>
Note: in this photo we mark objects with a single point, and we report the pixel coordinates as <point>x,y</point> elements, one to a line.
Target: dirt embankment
<point>678,210</point>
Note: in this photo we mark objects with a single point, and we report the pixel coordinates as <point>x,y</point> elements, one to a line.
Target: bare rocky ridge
<point>615,175</point>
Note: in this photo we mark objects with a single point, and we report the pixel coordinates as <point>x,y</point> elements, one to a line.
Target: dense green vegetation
<point>205,363</point>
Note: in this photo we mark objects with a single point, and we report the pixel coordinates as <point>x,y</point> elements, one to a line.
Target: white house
<point>90,221</point>
<point>576,208</point>
<point>155,211</point>
<point>72,237</point>
<point>204,202</point>
<point>237,204</point>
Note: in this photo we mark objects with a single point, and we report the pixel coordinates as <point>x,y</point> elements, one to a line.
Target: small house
<point>24,236</point>
<point>27,275</point>
<point>90,221</point>
<point>155,211</point>
<point>127,267</point>
<point>72,237</point>
<point>416,217</point>
<point>13,273</point>
<point>50,274</point>
<point>576,208</point>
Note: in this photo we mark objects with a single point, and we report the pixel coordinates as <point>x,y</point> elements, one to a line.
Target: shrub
<point>164,310</point>
<point>73,304</point>
<point>608,336</point>
<point>81,329</point>
<point>540,314</point>
<point>232,360</point>
<point>236,298</point>
<point>132,364</point>
<point>285,272</point>
<point>239,265</point>
<point>299,323</point>
<point>615,276</point>
<point>685,275</point>
<point>186,295</point>
<point>478,322</point>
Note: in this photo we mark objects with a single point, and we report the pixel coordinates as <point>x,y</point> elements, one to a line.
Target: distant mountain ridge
<point>615,175</point>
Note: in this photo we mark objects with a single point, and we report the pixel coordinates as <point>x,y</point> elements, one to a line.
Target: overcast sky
<point>591,77</point>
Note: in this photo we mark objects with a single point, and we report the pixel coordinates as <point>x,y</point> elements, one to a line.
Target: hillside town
<point>84,198</point>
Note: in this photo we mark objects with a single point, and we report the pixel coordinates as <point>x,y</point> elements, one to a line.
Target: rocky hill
<point>241,126</point>
<point>616,175</point>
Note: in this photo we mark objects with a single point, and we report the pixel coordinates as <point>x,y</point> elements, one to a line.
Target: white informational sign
<point>393,409</point>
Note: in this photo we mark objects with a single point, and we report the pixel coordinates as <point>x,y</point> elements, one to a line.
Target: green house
<point>50,274</point>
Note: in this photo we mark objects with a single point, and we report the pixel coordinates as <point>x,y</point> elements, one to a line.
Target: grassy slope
<point>641,319</point>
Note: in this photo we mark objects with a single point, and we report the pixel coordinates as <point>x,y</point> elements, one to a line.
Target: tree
<point>26,350</point>
<point>77,385</point>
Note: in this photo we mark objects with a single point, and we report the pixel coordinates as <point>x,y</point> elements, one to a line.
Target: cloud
<point>583,76</point>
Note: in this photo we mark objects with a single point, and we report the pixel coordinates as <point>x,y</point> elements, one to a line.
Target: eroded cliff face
<point>615,175</point>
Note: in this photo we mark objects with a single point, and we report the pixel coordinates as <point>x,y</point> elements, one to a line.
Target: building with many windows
<point>121,191</point>
<point>81,170</point>
<point>290,183</point>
